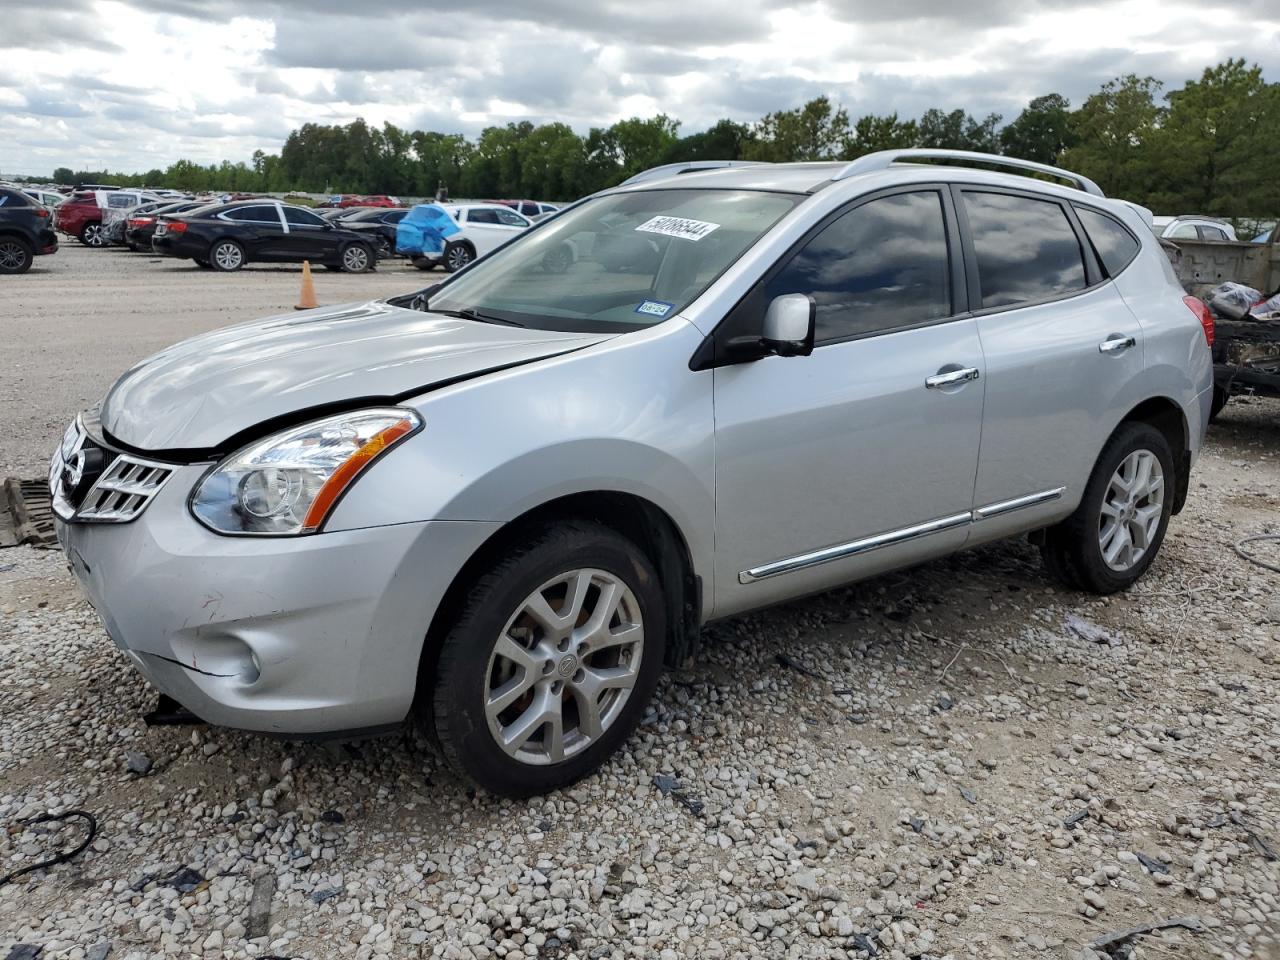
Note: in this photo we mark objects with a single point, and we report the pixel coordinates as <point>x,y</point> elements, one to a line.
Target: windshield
<point>622,261</point>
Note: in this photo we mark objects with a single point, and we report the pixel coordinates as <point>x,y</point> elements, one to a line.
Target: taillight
<point>177,226</point>
<point>1201,310</point>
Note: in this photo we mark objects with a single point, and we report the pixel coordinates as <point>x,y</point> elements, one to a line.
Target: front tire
<point>357,258</point>
<point>1116,532</point>
<point>91,235</point>
<point>15,255</point>
<point>549,665</point>
<point>226,256</point>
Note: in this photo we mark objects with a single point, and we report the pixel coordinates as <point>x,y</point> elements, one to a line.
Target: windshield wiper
<point>470,313</point>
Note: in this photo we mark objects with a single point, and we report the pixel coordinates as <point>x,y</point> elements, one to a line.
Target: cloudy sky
<point>134,84</point>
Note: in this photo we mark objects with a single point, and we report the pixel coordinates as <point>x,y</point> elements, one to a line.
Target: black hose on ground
<point>89,819</point>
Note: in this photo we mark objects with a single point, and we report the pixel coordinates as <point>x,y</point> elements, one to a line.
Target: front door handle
<point>951,377</point>
<point>1116,343</point>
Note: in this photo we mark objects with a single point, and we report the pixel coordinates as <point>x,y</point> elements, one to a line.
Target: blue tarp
<point>425,229</point>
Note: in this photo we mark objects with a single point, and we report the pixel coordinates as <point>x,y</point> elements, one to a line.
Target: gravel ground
<point>959,760</point>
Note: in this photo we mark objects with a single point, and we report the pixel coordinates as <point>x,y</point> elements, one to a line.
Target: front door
<point>861,456</point>
<point>309,237</point>
<point>490,227</point>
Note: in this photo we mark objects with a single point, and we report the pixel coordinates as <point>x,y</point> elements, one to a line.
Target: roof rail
<point>883,158</point>
<point>688,166</point>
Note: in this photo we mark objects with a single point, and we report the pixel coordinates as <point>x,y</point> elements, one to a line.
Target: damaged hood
<point>203,391</point>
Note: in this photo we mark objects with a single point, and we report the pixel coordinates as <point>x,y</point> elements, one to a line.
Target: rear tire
<point>1114,535</point>
<point>15,255</point>
<point>91,234</point>
<point>502,668</point>
<point>226,256</point>
<point>457,256</point>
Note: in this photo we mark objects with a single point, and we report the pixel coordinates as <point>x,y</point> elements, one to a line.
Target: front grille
<point>121,491</point>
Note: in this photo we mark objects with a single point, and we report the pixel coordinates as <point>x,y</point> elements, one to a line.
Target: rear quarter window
<point>1116,246</point>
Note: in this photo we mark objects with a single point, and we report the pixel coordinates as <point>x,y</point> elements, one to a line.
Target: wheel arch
<point>638,519</point>
<point>1167,416</point>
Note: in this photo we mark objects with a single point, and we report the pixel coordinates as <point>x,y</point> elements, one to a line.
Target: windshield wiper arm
<point>470,313</point>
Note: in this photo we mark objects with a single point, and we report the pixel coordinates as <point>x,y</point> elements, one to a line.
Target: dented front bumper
<point>293,636</point>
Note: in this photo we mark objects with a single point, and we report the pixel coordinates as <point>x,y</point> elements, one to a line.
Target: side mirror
<point>789,325</point>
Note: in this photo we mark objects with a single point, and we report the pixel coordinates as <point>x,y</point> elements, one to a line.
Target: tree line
<point>1210,147</point>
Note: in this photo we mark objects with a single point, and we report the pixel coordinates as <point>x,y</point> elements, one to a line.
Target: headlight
<point>289,483</point>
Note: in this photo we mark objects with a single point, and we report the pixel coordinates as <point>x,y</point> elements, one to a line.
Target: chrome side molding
<point>842,551</point>
<point>1017,503</point>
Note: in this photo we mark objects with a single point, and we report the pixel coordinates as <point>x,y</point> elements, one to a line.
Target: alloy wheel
<point>93,235</point>
<point>355,259</point>
<point>564,666</point>
<point>228,256</point>
<point>1132,506</point>
<point>459,257</point>
<point>13,256</point>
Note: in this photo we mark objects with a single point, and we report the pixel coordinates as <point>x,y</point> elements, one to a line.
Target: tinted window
<point>879,266</point>
<point>1114,244</point>
<point>259,214</point>
<point>395,216</point>
<point>301,218</point>
<point>511,218</point>
<point>482,216</point>
<point>1212,233</point>
<point>1026,249</point>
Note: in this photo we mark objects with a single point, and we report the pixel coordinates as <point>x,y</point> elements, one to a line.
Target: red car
<point>80,216</point>
<point>356,200</point>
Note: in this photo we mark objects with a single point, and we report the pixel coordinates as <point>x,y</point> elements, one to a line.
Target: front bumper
<point>292,636</point>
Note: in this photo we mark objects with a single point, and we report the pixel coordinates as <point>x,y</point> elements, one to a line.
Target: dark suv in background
<point>26,231</point>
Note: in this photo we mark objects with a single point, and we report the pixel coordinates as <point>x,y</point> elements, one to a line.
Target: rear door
<point>260,230</point>
<point>490,227</point>
<point>1063,353</point>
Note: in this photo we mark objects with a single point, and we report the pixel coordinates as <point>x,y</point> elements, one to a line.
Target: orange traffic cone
<point>307,300</point>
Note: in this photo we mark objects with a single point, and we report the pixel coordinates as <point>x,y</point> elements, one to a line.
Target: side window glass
<point>482,216</point>
<point>1212,233</point>
<point>301,218</point>
<point>395,216</point>
<point>254,214</point>
<point>1026,249</point>
<point>1183,231</point>
<point>1114,244</point>
<point>881,265</point>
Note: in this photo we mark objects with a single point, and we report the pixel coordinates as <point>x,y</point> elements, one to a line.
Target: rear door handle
<point>1116,343</point>
<point>951,377</point>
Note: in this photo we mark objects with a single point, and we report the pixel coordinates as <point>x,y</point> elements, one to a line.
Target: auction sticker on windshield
<point>678,227</point>
<point>655,308</point>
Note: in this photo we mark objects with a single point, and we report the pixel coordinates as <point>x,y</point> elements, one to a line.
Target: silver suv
<point>501,504</point>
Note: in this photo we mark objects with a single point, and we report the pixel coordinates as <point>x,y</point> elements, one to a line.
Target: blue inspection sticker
<point>655,308</point>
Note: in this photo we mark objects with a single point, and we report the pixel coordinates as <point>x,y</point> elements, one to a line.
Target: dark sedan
<point>140,226</point>
<point>226,236</point>
<point>379,224</point>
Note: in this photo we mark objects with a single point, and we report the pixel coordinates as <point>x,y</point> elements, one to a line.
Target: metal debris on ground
<point>26,514</point>
<point>1111,943</point>
<point>1072,821</point>
<point>24,951</point>
<point>1091,631</point>
<point>791,663</point>
<point>671,787</point>
<point>264,889</point>
<point>1151,863</point>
